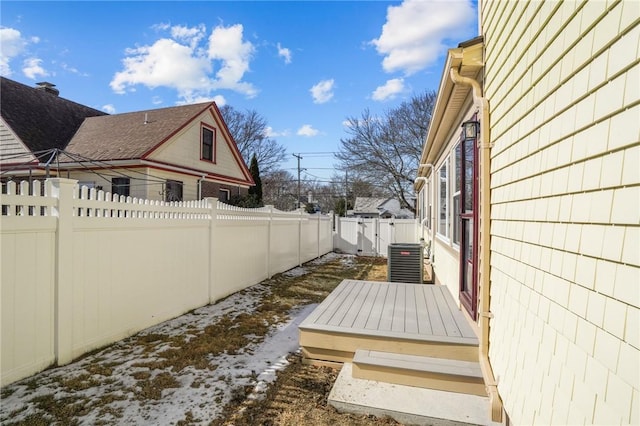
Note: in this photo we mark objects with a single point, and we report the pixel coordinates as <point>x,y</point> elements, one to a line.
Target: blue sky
<point>305,66</point>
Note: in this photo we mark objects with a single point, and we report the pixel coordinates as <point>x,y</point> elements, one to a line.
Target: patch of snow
<point>296,272</point>
<point>203,392</point>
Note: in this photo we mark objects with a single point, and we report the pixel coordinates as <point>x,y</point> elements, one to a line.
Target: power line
<point>319,153</point>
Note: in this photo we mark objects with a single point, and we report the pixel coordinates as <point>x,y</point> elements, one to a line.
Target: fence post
<point>337,232</point>
<point>301,211</point>
<point>62,189</point>
<point>213,223</point>
<point>318,234</point>
<point>332,224</point>
<point>269,226</point>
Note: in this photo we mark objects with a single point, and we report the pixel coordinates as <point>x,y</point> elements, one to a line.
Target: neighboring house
<point>172,154</point>
<point>529,191</point>
<point>33,122</point>
<point>384,208</point>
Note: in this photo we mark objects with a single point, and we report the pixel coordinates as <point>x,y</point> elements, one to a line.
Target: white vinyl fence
<point>82,269</point>
<point>371,237</point>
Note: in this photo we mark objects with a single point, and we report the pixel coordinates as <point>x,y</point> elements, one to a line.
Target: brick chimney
<point>48,87</point>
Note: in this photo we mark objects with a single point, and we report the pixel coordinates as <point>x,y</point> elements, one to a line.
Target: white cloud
<point>219,100</point>
<point>186,62</point>
<point>285,53</point>
<point>165,63</point>
<point>270,133</point>
<point>389,91</point>
<point>192,35</point>
<point>11,45</point>
<point>32,68</point>
<point>188,100</point>
<point>417,32</point>
<point>161,26</point>
<point>109,109</point>
<point>307,130</point>
<point>73,70</point>
<point>322,92</point>
<point>226,45</point>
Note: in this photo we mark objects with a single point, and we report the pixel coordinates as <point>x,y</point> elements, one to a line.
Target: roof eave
<point>468,61</point>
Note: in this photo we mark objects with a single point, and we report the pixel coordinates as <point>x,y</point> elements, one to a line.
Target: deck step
<point>419,371</point>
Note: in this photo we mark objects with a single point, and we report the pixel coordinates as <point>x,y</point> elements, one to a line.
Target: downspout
<point>200,187</point>
<point>485,252</point>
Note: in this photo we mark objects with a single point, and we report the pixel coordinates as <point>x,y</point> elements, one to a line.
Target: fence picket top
<point>25,188</point>
<point>94,202</point>
<point>48,188</point>
<point>10,188</point>
<point>37,188</point>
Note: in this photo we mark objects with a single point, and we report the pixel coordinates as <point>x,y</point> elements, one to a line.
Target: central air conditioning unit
<point>405,263</point>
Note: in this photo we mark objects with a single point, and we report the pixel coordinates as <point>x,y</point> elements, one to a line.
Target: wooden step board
<point>414,319</point>
<point>419,371</point>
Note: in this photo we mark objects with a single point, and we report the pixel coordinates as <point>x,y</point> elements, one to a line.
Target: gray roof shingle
<point>42,120</point>
<point>131,135</point>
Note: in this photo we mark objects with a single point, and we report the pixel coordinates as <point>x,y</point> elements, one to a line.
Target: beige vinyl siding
<point>146,183</point>
<point>12,150</point>
<point>139,184</point>
<point>563,86</point>
<point>189,185</point>
<point>184,150</point>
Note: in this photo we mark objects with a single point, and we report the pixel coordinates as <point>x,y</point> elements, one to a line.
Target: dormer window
<point>208,144</point>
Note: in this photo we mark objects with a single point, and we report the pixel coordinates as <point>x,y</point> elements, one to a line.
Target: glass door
<point>467,221</point>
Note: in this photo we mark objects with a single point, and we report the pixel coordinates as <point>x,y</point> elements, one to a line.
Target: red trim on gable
<point>229,140</point>
<point>194,172</point>
<point>172,134</point>
<point>164,167</point>
<point>22,166</point>
<point>217,116</point>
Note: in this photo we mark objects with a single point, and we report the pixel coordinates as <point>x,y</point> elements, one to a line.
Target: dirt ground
<point>103,387</point>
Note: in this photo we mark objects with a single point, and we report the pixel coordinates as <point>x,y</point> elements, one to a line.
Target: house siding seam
<point>562,81</point>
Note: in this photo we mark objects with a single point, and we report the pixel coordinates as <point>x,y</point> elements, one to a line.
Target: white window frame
<point>455,192</point>
<point>443,210</point>
<point>228,192</point>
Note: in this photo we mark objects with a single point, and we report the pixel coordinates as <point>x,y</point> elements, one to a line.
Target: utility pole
<point>299,158</point>
<point>346,191</point>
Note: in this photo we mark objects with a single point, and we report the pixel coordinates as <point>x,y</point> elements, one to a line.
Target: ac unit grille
<point>404,263</point>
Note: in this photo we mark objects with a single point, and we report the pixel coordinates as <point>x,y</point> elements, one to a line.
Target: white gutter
<point>485,240</point>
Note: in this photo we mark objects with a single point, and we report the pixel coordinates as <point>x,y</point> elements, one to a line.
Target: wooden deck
<point>413,319</point>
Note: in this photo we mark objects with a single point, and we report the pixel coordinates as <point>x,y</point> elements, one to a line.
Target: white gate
<point>371,237</point>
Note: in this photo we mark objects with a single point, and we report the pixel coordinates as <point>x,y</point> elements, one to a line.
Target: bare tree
<point>279,188</point>
<point>249,129</point>
<point>385,151</point>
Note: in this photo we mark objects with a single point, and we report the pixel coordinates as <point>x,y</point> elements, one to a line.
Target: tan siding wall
<point>11,149</point>
<point>184,150</point>
<point>102,178</point>
<point>562,82</point>
<point>189,185</point>
<point>145,183</point>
